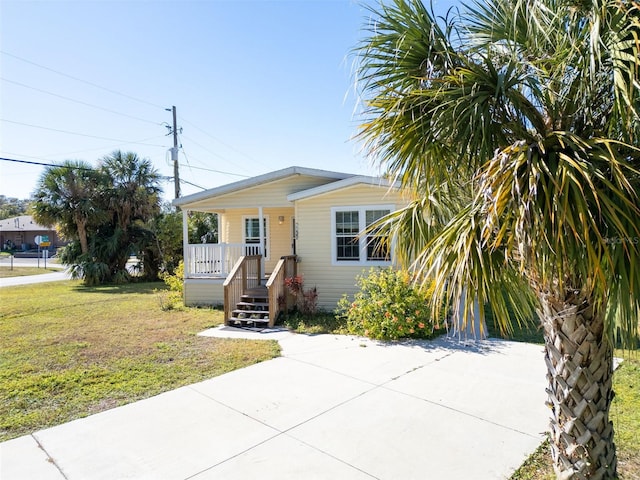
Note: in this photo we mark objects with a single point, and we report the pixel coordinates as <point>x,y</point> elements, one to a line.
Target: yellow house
<point>295,221</point>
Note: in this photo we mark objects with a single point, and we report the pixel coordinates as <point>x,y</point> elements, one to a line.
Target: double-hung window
<point>351,243</point>
<point>376,244</point>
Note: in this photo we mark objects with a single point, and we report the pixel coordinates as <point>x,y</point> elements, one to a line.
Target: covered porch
<point>269,232</point>
<point>245,271</point>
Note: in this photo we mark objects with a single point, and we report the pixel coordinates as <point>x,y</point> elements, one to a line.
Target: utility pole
<point>174,152</point>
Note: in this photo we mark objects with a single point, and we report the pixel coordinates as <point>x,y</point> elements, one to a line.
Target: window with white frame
<point>350,245</point>
<point>251,232</point>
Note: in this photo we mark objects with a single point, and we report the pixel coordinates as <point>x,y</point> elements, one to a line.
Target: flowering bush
<point>387,307</point>
<point>306,300</point>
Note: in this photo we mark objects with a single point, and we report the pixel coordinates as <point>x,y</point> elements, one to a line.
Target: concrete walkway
<point>331,407</point>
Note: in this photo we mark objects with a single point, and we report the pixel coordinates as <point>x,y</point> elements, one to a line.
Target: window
<point>347,228</point>
<point>348,247</point>
<point>377,249</point>
<point>251,233</point>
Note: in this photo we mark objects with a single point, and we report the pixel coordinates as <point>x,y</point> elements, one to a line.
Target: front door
<point>294,235</point>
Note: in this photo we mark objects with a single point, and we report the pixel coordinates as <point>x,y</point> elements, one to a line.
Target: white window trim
<point>361,209</point>
<point>267,230</point>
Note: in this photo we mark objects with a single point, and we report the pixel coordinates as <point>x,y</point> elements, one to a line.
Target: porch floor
<point>260,291</point>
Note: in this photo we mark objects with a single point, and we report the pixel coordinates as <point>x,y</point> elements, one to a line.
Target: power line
<point>140,142</point>
<point>217,171</point>
<point>43,157</point>
<point>45,164</point>
<point>81,80</point>
<point>81,134</point>
<point>115,92</point>
<point>184,152</point>
<point>192,184</point>
<point>171,179</point>
<point>79,101</point>
<point>222,142</point>
<point>203,147</point>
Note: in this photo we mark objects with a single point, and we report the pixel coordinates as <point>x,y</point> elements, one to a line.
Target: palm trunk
<point>579,360</point>
<point>82,235</point>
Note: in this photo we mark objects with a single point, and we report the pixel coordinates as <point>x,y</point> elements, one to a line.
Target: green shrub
<point>388,306</point>
<point>175,281</point>
<point>172,299</point>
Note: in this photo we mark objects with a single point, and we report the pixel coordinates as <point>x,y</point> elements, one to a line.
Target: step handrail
<point>245,274</point>
<point>279,298</point>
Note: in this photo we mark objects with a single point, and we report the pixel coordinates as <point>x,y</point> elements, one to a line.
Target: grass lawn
<point>68,351</point>
<point>6,271</point>
<point>321,322</point>
<point>624,413</point>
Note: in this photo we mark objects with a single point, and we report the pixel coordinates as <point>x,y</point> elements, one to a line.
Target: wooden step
<point>239,313</point>
<point>251,299</point>
<point>252,306</point>
<point>253,303</point>
<point>248,322</point>
<point>254,298</point>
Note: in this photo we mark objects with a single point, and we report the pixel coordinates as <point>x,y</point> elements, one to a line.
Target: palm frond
<point>531,108</point>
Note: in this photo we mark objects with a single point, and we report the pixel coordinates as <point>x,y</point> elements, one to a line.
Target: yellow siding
<point>273,194</point>
<point>200,291</point>
<point>313,216</point>
<point>279,236</point>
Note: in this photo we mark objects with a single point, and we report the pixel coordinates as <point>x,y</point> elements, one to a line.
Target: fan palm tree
<point>514,127</point>
<point>133,198</point>
<point>65,196</point>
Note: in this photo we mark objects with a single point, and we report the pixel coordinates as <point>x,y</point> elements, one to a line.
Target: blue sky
<point>258,86</point>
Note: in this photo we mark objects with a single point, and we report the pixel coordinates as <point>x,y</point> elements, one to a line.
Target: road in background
<point>60,274</point>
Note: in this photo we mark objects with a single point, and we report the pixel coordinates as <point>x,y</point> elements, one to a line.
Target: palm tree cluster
<point>104,211</point>
<point>513,127</point>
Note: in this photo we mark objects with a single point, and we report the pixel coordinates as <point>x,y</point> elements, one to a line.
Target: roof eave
<point>344,183</point>
<point>258,180</point>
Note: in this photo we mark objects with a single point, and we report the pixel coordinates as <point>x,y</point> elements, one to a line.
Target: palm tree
<point>132,198</point>
<point>514,126</point>
<point>65,196</point>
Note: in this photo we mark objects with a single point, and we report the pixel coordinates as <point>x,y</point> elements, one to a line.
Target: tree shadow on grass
<point>134,287</point>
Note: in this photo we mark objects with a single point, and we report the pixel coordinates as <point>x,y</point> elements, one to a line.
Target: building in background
<point>19,234</point>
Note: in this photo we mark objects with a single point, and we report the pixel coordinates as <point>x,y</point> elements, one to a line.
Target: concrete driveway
<point>331,407</point>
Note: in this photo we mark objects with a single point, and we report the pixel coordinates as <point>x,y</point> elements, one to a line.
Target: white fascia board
<point>344,183</point>
<point>258,180</point>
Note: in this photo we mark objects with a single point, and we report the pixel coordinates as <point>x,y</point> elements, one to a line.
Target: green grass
<point>625,414</point>
<point>69,351</point>
<point>8,272</point>
<point>321,322</point>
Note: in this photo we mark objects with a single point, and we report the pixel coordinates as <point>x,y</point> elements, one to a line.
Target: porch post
<point>224,267</point>
<point>261,230</point>
<point>185,243</point>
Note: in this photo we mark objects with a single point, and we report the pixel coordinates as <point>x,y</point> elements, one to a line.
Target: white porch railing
<point>215,259</point>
